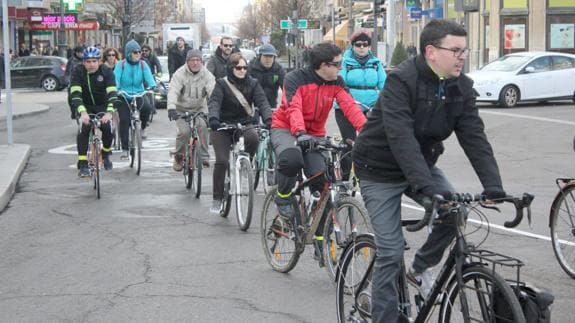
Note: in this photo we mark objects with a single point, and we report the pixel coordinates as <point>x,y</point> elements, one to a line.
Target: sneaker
<point>108,165</point>
<point>206,163</point>
<point>285,207</point>
<point>217,206</point>
<point>84,171</point>
<point>143,133</point>
<point>424,281</point>
<point>177,163</point>
<point>125,154</point>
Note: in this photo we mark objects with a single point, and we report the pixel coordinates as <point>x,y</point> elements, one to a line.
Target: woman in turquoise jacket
<point>364,76</point>
<point>133,76</point>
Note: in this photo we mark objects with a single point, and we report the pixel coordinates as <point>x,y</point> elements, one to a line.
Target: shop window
<point>514,4</point>
<point>514,36</point>
<point>561,33</point>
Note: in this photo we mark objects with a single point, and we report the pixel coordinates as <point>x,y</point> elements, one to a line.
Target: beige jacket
<point>189,91</point>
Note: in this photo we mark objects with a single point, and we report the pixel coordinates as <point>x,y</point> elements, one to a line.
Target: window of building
<point>514,4</point>
<point>561,32</point>
<point>514,37</point>
<point>561,4</point>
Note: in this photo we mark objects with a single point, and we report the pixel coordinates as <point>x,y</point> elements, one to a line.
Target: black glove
<point>214,124</point>
<point>430,191</point>
<point>305,141</point>
<point>268,124</point>
<point>173,115</point>
<point>494,194</point>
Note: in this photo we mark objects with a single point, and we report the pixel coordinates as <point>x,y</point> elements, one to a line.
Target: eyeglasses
<point>457,52</point>
<point>335,64</point>
<point>239,68</point>
<point>361,44</point>
<point>110,55</point>
<point>137,52</point>
<point>228,45</point>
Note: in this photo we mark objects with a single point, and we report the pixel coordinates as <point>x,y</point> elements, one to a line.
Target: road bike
<point>117,142</point>
<point>94,154</point>
<point>562,225</point>
<point>325,218</point>
<point>238,181</point>
<point>468,288</point>
<point>192,159</point>
<point>264,161</point>
<point>135,134</point>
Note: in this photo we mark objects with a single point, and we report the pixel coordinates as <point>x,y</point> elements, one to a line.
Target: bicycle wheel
<point>244,192</point>
<point>227,196</point>
<point>562,225</point>
<point>489,298</point>
<point>353,292</point>
<point>96,169</point>
<point>278,237</point>
<point>269,167</point>
<point>116,123</point>
<point>352,218</point>
<point>197,168</point>
<point>188,170</point>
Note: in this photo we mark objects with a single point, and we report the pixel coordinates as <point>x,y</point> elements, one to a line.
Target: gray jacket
<point>189,91</point>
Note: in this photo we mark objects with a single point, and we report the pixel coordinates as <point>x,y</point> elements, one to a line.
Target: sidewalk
<point>13,158</point>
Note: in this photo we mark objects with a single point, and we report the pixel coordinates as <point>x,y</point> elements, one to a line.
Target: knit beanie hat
<point>194,53</point>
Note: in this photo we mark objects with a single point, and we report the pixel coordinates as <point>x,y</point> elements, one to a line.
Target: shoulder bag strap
<point>240,97</point>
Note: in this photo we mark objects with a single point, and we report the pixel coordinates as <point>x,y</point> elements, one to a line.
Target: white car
<point>526,76</point>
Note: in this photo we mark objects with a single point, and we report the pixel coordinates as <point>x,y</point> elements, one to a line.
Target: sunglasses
<point>336,64</point>
<point>145,51</point>
<point>228,45</point>
<point>239,68</point>
<point>111,55</point>
<point>137,52</point>
<point>361,44</point>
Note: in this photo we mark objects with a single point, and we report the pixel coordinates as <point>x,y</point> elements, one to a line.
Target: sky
<point>223,10</point>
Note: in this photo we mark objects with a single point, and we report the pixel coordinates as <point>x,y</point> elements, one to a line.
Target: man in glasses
<point>177,55</point>
<point>268,72</point>
<point>307,99</point>
<point>152,60</point>
<point>217,63</point>
<point>423,102</point>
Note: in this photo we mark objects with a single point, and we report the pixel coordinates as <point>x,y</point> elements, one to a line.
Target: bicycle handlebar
<point>237,126</point>
<point>326,144</point>
<point>432,205</point>
<point>188,115</point>
<point>136,95</point>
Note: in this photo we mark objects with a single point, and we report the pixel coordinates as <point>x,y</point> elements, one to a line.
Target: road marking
<point>150,144</point>
<point>506,114</point>
<point>497,226</point>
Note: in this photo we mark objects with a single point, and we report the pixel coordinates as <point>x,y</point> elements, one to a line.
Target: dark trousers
<point>222,141</point>
<point>124,113</point>
<point>347,131</point>
<point>84,136</point>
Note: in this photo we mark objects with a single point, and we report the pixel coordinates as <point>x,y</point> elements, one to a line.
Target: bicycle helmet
<point>91,52</point>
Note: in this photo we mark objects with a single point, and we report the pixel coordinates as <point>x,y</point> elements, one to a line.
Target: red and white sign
<point>82,25</point>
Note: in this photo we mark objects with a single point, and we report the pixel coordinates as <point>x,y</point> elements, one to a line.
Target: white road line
<point>500,227</point>
<point>513,115</point>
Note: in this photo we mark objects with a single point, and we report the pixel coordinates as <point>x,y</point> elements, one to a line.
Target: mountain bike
<point>562,225</point>
<point>135,139</point>
<point>468,289</point>
<point>192,160</point>
<point>327,219</point>
<point>264,161</point>
<point>94,154</point>
<point>238,181</point>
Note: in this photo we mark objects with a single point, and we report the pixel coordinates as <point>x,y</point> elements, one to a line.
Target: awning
<point>340,33</point>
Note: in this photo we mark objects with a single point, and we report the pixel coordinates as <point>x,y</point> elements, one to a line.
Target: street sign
<point>415,13</point>
<point>286,24</point>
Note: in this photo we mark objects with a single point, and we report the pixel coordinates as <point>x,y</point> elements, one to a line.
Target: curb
<point>35,109</point>
<point>14,163</point>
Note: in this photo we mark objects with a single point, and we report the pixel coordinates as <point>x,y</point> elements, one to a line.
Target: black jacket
<point>402,138</point>
<point>270,79</point>
<point>224,106</point>
<point>177,58</point>
<point>153,63</point>
<point>94,92</point>
<point>217,64</point>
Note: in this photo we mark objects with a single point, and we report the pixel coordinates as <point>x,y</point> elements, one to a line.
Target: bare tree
<point>130,13</point>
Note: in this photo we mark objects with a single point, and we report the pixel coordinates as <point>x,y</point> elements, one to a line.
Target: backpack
<point>535,303</point>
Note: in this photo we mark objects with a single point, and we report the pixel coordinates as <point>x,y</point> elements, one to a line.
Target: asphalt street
<point>148,251</point>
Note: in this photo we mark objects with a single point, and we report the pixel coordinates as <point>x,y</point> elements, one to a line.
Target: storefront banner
<point>82,25</point>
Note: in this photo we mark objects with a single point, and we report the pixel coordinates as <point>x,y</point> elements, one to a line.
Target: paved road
<point>148,251</point>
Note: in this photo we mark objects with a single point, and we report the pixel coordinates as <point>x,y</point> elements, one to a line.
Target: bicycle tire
<point>269,167</point>
<point>197,168</point>
<point>256,171</point>
<point>227,195</point>
<point>353,220</point>
<point>562,227</point>
<point>187,170</point>
<point>138,146</point>
<point>96,164</point>
<point>353,292</point>
<point>244,193</point>
<point>275,234</point>
<point>131,144</point>
<point>480,298</point>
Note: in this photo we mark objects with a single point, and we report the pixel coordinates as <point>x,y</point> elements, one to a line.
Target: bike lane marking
<point>513,115</point>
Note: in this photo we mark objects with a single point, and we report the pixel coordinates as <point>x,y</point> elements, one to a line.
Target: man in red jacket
<point>307,99</point>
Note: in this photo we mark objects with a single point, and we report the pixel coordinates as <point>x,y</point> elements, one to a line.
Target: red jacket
<point>307,100</point>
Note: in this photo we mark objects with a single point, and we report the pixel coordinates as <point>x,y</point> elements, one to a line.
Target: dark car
<point>162,85</point>
<point>46,72</point>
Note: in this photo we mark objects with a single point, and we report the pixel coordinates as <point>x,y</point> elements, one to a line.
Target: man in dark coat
<point>269,72</point>
<point>177,55</point>
<point>149,57</point>
<point>217,63</point>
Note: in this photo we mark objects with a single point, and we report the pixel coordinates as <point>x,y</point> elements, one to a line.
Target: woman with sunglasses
<point>225,107</point>
<point>364,76</point>
<point>111,57</point>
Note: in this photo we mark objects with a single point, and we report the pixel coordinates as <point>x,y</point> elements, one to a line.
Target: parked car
<point>162,85</point>
<point>526,76</point>
<point>46,72</point>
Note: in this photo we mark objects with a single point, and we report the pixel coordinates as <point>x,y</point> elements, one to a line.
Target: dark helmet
<point>268,49</point>
<point>91,52</point>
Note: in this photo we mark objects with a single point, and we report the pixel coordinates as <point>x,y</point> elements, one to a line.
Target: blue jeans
<point>383,203</point>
